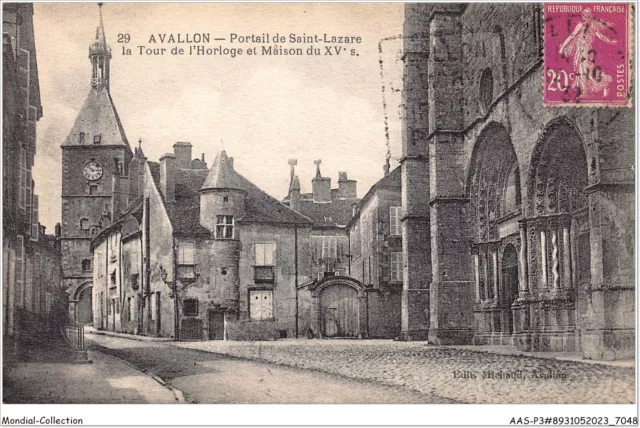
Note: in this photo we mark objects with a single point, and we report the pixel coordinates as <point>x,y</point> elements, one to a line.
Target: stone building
<point>33,303</point>
<point>332,303</point>
<point>375,242</point>
<point>524,212</point>
<point>95,158</point>
<point>199,254</point>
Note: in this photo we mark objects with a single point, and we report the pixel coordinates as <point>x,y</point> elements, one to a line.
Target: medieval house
<point>199,254</point>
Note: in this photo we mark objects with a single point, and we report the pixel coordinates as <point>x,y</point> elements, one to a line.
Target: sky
<point>262,110</point>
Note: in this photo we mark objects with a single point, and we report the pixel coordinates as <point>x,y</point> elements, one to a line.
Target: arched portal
<point>340,313</point>
<point>559,250</point>
<point>509,285</point>
<point>83,307</point>
<point>493,186</point>
<point>558,203</point>
<point>340,307</point>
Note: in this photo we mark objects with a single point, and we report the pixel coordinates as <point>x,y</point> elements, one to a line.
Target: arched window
<point>486,89</point>
<point>84,224</point>
<point>86,265</point>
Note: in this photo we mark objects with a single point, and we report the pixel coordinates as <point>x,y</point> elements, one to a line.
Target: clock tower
<point>95,158</point>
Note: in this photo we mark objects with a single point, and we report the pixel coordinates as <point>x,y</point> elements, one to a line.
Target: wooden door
<point>216,325</point>
<point>339,311</point>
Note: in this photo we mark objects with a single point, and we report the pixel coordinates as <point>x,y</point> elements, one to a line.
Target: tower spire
<point>100,55</point>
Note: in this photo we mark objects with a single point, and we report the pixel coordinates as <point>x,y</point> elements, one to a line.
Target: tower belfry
<point>100,55</point>
<point>95,161</point>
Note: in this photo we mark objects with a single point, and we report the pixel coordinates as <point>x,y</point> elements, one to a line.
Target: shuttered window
<point>394,220</point>
<point>260,304</point>
<point>35,220</point>
<point>266,254</point>
<point>396,266</point>
<point>20,271</point>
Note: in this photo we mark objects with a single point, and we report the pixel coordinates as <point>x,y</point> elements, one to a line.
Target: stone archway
<point>340,308</point>
<point>557,235</point>
<point>83,304</point>
<point>493,188</point>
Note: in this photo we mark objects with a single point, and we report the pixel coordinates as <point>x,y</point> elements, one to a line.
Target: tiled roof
<point>222,175</point>
<point>336,213</point>
<point>392,181</point>
<point>98,116</point>
<point>185,212</point>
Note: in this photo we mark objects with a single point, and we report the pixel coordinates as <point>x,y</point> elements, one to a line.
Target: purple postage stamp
<point>587,49</point>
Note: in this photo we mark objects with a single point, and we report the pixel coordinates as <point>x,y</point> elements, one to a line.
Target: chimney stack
<point>182,152</point>
<point>168,176</point>
<point>346,188</point>
<point>321,186</point>
<point>294,194</point>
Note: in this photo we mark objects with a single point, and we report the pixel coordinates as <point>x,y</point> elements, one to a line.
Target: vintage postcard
<point>316,204</point>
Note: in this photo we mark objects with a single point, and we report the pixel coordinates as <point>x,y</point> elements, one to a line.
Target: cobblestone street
<point>449,372</point>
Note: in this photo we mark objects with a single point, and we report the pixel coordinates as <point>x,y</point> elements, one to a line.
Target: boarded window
<point>190,307</point>
<point>266,254</point>
<point>186,253</point>
<point>394,220</point>
<point>260,304</point>
<point>396,266</point>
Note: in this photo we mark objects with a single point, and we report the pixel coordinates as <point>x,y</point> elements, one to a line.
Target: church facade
<point>523,213</point>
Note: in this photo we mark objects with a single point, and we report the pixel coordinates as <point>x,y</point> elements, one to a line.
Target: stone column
<point>566,258</point>
<point>476,272</point>
<point>494,257</point>
<point>554,260</point>
<point>524,265</point>
<point>543,259</point>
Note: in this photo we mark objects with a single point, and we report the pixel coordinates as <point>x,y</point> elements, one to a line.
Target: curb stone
<point>177,394</point>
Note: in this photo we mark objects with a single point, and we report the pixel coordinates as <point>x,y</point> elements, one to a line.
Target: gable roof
<point>334,214</point>
<point>98,116</point>
<point>391,181</point>
<point>185,212</point>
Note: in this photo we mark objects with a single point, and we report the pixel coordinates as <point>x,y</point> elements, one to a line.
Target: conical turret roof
<point>222,175</point>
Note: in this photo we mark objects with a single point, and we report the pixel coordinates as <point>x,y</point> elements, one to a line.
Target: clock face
<point>92,170</point>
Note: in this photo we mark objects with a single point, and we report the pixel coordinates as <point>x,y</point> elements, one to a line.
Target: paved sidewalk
<point>91,330</point>
<point>464,375</point>
<point>107,380</point>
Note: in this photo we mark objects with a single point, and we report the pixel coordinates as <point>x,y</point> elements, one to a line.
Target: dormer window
<point>97,138</point>
<point>224,227</point>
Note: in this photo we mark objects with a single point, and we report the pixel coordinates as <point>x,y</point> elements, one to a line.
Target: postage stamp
<point>587,49</point>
